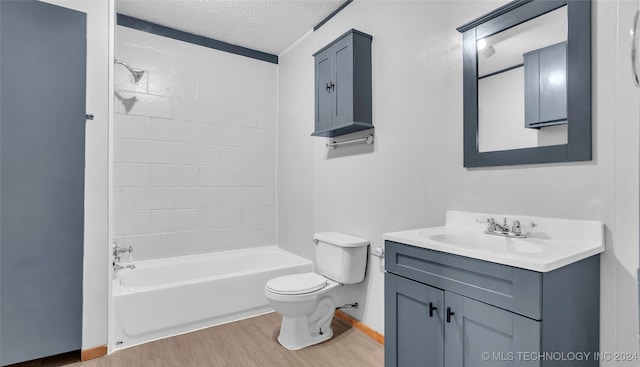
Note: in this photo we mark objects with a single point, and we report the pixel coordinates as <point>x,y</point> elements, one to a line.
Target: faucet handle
<point>516,228</point>
<point>120,250</point>
<point>484,220</point>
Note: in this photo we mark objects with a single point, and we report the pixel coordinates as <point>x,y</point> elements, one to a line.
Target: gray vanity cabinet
<point>425,317</point>
<point>343,85</point>
<point>452,311</point>
<point>545,86</point>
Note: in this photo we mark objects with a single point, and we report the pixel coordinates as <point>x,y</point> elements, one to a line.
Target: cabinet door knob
<point>449,314</point>
<point>431,309</point>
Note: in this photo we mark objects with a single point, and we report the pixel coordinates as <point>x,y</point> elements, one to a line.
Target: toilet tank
<point>341,257</point>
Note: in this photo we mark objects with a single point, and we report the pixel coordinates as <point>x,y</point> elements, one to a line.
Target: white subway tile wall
<point>194,148</point>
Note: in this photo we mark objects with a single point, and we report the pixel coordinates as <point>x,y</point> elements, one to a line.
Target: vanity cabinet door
<point>480,335</point>
<point>414,323</point>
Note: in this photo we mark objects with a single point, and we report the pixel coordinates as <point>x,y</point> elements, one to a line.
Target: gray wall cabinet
<point>444,310</point>
<point>343,85</point>
<point>545,86</point>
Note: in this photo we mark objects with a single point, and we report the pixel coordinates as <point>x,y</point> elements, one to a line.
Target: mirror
<point>527,84</point>
<point>521,76</point>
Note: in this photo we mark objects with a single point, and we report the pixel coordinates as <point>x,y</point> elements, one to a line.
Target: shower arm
<point>125,65</point>
<point>137,74</point>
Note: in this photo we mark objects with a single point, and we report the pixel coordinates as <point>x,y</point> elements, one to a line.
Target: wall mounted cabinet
<point>545,86</point>
<point>445,310</point>
<point>343,85</point>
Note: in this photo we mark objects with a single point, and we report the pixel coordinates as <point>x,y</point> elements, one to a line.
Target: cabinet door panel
<point>531,89</point>
<point>414,338</point>
<point>343,96</point>
<point>553,83</point>
<point>323,94</point>
<point>482,335</point>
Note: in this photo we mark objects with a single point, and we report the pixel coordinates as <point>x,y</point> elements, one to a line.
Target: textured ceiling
<point>264,25</point>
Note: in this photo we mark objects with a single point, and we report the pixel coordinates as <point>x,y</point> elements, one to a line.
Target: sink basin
<point>491,243</point>
<point>552,243</point>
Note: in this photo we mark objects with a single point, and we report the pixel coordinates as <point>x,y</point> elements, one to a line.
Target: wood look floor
<point>247,343</point>
<point>53,361</point>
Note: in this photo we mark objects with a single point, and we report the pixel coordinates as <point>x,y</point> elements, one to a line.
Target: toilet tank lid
<point>340,239</point>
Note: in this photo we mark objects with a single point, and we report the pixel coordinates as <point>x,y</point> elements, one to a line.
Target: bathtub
<point>171,296</point>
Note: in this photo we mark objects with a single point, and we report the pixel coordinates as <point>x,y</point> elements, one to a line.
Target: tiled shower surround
<point>194,148</point>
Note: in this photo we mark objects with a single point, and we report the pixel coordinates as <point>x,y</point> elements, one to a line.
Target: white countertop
<point>551,244</point>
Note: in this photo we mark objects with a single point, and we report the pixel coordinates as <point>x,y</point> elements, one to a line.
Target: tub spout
<point>117,267</point>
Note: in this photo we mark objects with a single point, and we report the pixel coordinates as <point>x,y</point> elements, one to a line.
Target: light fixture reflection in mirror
<point>514,65</point>
<point>484,50</point>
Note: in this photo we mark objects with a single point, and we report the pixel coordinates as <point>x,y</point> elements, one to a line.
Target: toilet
<point>307,301</point>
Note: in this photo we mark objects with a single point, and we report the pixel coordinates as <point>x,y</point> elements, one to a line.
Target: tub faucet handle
<point>121,250</point>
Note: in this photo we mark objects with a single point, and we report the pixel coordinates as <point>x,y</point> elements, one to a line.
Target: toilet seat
<point>296,284</point>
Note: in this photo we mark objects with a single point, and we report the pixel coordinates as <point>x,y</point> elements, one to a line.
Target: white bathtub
<point>166,297</point>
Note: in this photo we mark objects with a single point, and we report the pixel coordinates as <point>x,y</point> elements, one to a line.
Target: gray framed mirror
<point>527,84</point>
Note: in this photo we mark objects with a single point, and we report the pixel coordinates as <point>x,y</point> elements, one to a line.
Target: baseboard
<point>360,326</point>
<point>91,353</point>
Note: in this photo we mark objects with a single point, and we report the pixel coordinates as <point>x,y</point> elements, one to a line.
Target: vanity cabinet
<point>445,310</point>
<point>545,86</point>
<point>343,85</point>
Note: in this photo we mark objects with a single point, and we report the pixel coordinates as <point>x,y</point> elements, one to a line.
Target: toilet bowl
<point>308,301</point>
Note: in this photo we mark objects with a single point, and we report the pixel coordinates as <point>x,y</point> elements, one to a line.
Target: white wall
<point>194,148</point>
<point>357,189</point>
<point>501,113</point>
<point>96,236</point>
<point>415,172</point>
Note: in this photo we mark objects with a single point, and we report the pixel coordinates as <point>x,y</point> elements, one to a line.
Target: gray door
<point>479,335</point>
<point>42,117</point>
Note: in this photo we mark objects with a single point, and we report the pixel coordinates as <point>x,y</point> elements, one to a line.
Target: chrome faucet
<point>496,229</point>
<point>117,267</point>
<point>117,250</point>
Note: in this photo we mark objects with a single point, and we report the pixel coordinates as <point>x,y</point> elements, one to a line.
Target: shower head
<point>137,74</point>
